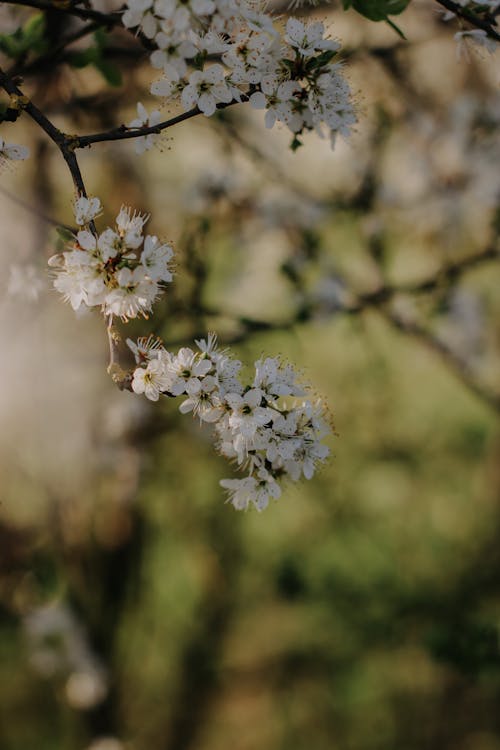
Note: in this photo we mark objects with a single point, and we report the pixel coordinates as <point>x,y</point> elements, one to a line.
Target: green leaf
<point>321,60</point>
<point>88,56</point>
<point>396,28</point>
<point>34,28</point>
<point>379,10</point>
<point>295,144</point>
<point>29,38</point>
<point>100,38</point>
<point>109,72</point>
<point>9,45</point>
<point>65,234</point>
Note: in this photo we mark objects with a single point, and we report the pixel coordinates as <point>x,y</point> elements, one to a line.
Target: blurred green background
<point>361,611</point>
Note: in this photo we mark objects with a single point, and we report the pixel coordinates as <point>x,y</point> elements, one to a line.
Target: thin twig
<point>471,17</point>
<point>33,210</point>
<point>122,132</point>
<point>87,14</point>
<point>63,142</point>
<point>458,365</point>
<point>39,63</point>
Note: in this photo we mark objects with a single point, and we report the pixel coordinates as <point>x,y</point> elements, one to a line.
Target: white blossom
<point>145,348</point>
<point>308,39</point>
<point>119,269</point>
<point>151,380</point>
<point>145,142</point>
<point>155,258</point>
<point>478,37</point>
<point>12,152</point>
<point>86,210</point>
<point>257,490</point>
<point>206,89</point>
<point>253,427</point>
<point>134,295</point>
<point>204,401</point>
<point>187,369</point>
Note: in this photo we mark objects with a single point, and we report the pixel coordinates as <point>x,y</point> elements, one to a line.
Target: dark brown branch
<point>63,142</point>
<point>473,18</point>
<point>122,132</point>
<point>87,14</point>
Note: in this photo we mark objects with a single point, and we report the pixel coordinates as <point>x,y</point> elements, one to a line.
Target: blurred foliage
<point>362,610</point>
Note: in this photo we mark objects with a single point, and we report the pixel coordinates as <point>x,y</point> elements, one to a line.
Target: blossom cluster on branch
<point>290,75</point>
<point>123,271</point>
<point>211,53</point>
<point>120,270</point>
<point>266,436</point>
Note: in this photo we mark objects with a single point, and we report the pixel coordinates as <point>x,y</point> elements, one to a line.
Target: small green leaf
<point>379,10</point>
<point>65,234</point>
<point>100,38</point>
<point>109,72</point>
<point>29,38</point>
<point>295,144</point>
<point>396,28</point>
<point>323,59</point>
<point>34,28</point>
<point>9,45</point>
<point>89,56</point>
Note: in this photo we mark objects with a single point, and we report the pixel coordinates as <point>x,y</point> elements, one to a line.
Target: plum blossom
<point>120,269</point>
<point>151,380</point>
<point>86,210</point>
<point>12,152</point>
<point>156,257</point>
<point>186,370</point>
<point>145,142</point>
<point>277,98</point>
<point>308,39</point>
<point>253,427</point>
<point>206,89</point>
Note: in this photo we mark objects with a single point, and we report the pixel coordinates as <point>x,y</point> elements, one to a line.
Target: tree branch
<point>64,143</point>
<point>123,132</point>
<point>86,14</point>
<point>458,365</point>
<point>471,17</point>
<point>378,300</point>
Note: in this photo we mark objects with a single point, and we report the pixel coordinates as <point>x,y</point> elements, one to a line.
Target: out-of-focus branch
<point>51,57</point>
<point>378,300</point>
<point>35,211</point>
<point>457,364</point>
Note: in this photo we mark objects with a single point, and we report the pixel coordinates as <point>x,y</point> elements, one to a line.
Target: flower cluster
<point>291,76</point>
<point>120,269</point>
<point>254,426</point>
